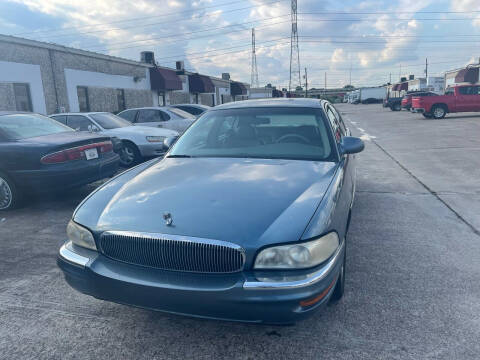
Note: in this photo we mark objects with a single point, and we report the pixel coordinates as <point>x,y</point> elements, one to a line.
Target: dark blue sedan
<point>244,219</point>
<point>38,154</point>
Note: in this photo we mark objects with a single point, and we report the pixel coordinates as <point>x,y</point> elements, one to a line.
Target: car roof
<point>81,113</point>
<point>147,108</point>
<point>277,102</point>
<point>200,106</point>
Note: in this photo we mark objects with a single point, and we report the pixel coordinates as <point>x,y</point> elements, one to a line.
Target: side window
<point>149,115</point>
<point>60,118</point>
<point>476,90</point>
<point>128,115</point>
<point>466,90</point>
<point>343,128</point>
<point>450,91</point>
<point>23,101</point>
<point>164,116</point>
<point>334,123</point>
<point>78,122</point>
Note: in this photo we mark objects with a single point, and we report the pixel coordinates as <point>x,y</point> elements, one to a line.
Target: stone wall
<point>177,97</point>
<point>138,98</point>
<point>7,97</point>
<point>206,99</point>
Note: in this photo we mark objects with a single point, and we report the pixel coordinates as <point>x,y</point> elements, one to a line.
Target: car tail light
<point>76,153</point>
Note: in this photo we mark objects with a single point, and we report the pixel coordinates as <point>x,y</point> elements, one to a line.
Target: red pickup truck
<point>461,98</point>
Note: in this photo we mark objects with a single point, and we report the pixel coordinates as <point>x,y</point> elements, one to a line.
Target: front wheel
<point>439,112</point>
<point>9,196</point>
<point>396,107</point>
<point>130,155</point>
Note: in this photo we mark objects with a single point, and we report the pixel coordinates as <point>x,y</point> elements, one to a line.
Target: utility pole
<point>294,51</point>
<point>306,83</point>
<point>390,78</point>
<point>426,69</point>
<point>350,81</point>
<point>325,83</point>
<point>254,76</point>
<point>400,73</point>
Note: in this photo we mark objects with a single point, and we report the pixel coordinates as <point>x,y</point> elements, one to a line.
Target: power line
<point>158,23</point>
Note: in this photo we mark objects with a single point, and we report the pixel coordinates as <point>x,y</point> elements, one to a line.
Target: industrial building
<point>48,78</point>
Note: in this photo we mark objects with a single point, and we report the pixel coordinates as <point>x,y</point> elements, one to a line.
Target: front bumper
<point>418,110</point>
<point>234,297</point>
<point>152,149</point>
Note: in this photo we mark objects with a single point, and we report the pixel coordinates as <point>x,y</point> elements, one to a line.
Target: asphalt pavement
<point>413,267</point>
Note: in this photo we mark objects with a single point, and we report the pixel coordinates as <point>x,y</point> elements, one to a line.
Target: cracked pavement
<point>413,266</point>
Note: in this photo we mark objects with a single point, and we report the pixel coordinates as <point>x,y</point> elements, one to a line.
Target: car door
<point>466,98</point>
<point>150,117</point>
<point>476,98</point>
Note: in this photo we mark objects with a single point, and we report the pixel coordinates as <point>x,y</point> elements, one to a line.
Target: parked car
<point>139,142</point>
<point>38,154</point>
<point>245,218</point>
<point>394,103</point>
<point>164,117</point>
<point>462,98</point>
<point>193,109</point>
<point>407,99</point>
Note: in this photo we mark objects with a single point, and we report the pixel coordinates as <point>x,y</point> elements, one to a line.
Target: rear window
<point>24,126</point>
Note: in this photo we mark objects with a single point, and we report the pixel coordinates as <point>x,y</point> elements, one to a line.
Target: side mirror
<point>169,141</point>
<point>351,145</point>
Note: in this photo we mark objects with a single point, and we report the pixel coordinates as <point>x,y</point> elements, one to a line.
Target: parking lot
<point>413,266</point>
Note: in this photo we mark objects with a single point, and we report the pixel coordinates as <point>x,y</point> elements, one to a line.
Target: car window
<point>128,115</point>
<point>23,126</point>
<point>465,90</point>
<point>149,115</point>
<point>78,122</point>
<point>450,91</point>
<point>270,133</point>
<point>60,118</point>
<point>334,123</point>
<point>110,121</point>
<point>164,115</point>
<point>180,113</point>
<point>343,128</point>
<point>192,110</point>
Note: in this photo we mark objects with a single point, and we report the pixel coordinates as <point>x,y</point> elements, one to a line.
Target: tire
<point>130,155</point>
<point>427,115</point>
<point>339,289</point>
<point>438,111</point>
<point>9,195</point>
<point>396,107</point>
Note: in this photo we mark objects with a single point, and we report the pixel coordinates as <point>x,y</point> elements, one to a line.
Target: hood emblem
<point>168,218</point>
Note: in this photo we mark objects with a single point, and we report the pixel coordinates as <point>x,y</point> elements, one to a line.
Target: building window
<point>83,104</point>
<point>121,99</point>
<point>23,101</point>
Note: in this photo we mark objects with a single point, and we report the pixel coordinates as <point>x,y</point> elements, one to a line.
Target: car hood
<point>243,201</point>
<point>143,130</point>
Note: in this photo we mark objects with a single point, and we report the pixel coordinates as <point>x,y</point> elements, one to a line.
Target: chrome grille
<point>171,252</point>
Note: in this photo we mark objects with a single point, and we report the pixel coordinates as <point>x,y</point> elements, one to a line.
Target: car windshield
<point>270,133</point>
<point>24,126</point>
<point>179,112</point>
<point>110,121</point>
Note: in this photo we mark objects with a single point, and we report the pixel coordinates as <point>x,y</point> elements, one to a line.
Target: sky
<point>376,39</point>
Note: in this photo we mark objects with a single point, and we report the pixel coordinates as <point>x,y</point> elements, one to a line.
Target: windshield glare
<point>270,133</point>
<point>24,126</point>
<point>110,121</point>
<point>181,113</point>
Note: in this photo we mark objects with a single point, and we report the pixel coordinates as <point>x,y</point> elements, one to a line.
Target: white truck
<point>372,95</point>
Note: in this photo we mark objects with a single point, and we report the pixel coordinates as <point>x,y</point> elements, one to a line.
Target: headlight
<point>155,139</point>
<point>298,256</point>
<point>80,236</point>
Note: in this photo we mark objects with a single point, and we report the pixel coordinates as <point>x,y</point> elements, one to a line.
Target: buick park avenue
<point>244,219</point>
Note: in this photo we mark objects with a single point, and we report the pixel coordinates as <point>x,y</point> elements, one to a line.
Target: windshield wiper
<point>179,156</point>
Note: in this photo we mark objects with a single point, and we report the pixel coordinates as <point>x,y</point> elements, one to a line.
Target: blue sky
<point>375,38</point>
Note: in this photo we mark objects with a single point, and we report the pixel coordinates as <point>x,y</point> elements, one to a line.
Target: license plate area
<point>91,154</point>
